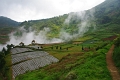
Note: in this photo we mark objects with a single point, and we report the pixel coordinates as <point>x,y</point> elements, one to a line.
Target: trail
<point>111,66</point>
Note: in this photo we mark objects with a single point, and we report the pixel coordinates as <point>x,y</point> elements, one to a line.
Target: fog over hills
<point>68,27</point>
<point>73,46</point>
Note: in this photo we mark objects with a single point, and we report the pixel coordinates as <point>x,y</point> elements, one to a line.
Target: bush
<point>117,42</point>
<point>116,56</point>
<point>71,76</point>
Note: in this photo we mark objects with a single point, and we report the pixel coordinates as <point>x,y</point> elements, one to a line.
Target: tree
<point>2,61</point>
<point>11,45</point>
<point>82,48</point>
<point>117,42</point>
<point>21,44</point>
<point>8,48</point>
<point>3,50</point>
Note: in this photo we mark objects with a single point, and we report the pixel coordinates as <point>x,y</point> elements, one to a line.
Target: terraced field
<point>25,59</point>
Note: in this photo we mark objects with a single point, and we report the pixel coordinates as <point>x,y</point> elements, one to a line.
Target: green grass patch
<point>84,38</point>
<point>65,49</point>
<point>94,69</point>
<point>8,69</point>
<point>76,66</point>
<point>116,57</point>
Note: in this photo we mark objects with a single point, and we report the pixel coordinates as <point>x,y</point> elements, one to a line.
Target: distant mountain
<point>7,22</point>
<point>108,11</point>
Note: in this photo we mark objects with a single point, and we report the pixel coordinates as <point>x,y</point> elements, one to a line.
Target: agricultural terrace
<point>82,59</point>
<point>25,59</point>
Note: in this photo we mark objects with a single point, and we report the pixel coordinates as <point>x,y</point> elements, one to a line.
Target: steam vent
<point>25,59</point>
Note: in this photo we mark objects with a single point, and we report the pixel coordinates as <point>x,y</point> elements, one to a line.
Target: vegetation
<point>5,62</point>
<point>83,58</point>
<point>6,27</point>
<point>73,65</point>
<point>106,17</point>
<point>116,54</point>
<point>7,22</point>
<point>4,32</point>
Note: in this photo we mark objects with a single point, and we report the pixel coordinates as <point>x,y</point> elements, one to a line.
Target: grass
<point>1,78</point>
<point>116,57</point>
<point>74,63</point>
<point>59,53</point>
<point>4,31</point>
<point>75,66</point>
<point>8,67</point>
<point>93,69</point>
<point>84,38</point>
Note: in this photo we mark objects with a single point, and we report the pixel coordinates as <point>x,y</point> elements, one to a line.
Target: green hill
<point>83,58</point>
<point>7,22</point>
<point>7,25</point>
<point>104,15</point>
<point>108,12</point>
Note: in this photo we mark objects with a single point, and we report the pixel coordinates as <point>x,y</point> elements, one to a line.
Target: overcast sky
<point>21,10</point>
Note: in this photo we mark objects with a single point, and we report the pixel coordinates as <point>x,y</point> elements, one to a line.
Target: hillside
<point>7,22</point>
<point>7,25</point>
<point>55,24</point>
<point>94,31</point>
<point>108,12</point>
<point>100,17</point>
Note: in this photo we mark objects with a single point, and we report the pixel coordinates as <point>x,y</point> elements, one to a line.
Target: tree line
<point>3,53</point>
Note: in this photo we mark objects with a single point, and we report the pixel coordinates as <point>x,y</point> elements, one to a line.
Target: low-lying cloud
<point>26,36</point>
<point>84,18</point>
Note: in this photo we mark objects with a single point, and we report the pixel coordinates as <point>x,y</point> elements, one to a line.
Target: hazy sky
<point>21,10</point>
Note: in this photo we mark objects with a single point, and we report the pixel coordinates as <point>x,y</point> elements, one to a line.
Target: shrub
<point>116,56</point>
<point>71,76</point>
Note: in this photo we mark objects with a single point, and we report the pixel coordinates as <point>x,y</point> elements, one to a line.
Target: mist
<point>84,22</point>
<point>84,18</point>
<point>27,37</point>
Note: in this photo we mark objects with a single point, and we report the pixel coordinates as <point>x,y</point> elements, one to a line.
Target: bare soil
<point>111,38</point>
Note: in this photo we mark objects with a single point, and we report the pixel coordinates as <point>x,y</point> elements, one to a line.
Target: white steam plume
<point>84,23</point>
<point>85,18</point>
<point>27,37</point>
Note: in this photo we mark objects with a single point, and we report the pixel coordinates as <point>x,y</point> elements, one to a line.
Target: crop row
<point>27,55</point>
<point>32,64</point>
<point>19,50</point>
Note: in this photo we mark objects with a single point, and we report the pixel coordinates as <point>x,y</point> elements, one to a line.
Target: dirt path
<point>111,66</point>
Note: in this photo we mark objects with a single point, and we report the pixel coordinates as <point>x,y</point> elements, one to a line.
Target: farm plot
<point>27,56</point>
<point>29,61</point>
<point>19,50</point>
